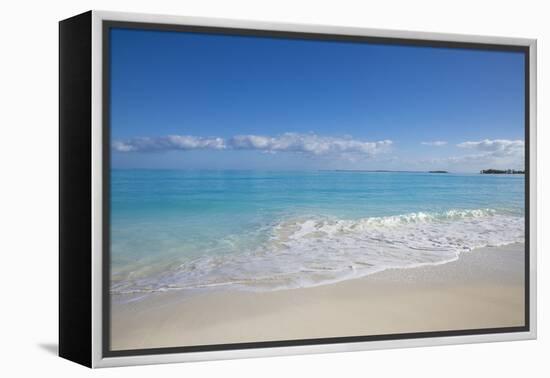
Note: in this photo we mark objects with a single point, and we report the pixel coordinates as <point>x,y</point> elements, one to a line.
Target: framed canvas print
<point>235,189</point>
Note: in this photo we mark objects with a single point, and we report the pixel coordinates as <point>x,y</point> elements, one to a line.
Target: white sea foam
<point>304,252</point>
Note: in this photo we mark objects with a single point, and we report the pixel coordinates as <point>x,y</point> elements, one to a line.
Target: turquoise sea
<point>269,230</point>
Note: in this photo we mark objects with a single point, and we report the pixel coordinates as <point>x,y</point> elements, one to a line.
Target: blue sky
<point>200,101</point>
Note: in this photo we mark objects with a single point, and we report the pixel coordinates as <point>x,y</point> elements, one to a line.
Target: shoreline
<point>483,288</point>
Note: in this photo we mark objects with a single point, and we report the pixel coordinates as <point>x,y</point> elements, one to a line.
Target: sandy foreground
<point>482,289</point>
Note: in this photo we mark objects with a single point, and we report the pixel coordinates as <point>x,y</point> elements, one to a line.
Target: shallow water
<point>256,230</point>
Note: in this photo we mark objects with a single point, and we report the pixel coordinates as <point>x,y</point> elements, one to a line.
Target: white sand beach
<point>482,289</point>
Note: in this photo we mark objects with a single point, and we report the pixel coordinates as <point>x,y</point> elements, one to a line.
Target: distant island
<point>501,172</point>
<point>378,171</point>
<point>368,170</point>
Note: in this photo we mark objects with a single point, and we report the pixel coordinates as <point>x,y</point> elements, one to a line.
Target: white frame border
<point>99,361</point>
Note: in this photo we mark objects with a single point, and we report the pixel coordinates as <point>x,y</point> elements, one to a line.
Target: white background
<point>28,198</point>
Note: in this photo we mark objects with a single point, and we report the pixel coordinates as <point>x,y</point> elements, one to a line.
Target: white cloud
<point>484,154</point>
<point>309,143</point>
<point>170,142</point>
<point>496,147</point>
<point>435,143</point>
<point>497,153</point>
<point>289,142</point>
<point>124,146</point>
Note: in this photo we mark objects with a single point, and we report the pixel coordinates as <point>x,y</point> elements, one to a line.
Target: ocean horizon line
<point>435,171</point>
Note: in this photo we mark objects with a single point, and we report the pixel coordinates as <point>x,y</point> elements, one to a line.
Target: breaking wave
<point>311,251</point>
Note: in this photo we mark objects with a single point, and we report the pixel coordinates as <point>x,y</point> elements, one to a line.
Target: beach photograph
<point>269,189</point>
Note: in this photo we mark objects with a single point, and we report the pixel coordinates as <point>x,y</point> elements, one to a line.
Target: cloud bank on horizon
<point>497,153</point>
<point>498,147</point>
<point>170,142</point>
<point>486,153</point>
<point>288,142</point>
